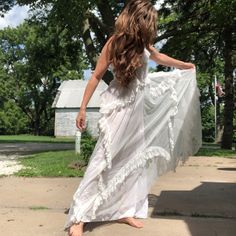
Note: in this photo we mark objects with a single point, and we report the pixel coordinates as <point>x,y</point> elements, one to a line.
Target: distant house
<point>67,104</point>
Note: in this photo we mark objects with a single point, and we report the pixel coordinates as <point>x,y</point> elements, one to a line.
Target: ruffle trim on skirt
<point>148,154</point>
<point>106,108</point>
<point>140,160</point>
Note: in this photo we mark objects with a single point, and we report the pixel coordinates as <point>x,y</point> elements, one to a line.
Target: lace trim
<point>142,158</point>
<point>104,129</point>
<point>174,111</point>
<point>158,90</point>
<point>155,91</point>
<point>106,108</point>
<point>139,161</point>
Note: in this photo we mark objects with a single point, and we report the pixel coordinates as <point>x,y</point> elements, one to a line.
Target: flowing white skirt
<point>144,132</point>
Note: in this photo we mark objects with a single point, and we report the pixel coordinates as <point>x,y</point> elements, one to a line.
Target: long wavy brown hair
<point>135,29</point>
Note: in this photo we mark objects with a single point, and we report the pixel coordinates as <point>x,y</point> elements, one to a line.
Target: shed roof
<point>70,94</point>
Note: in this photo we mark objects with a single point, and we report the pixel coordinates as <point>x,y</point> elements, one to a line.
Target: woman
<point>136,142</point>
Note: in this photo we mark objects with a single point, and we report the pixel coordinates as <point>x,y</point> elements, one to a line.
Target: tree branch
<point>98,29</point>
<point>107,14</point>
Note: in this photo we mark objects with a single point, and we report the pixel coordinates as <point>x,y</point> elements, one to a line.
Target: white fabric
<point>145,131</point>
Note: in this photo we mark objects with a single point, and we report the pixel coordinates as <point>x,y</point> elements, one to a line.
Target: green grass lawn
<point>33,138</point>
<point>55,163</point>
<point>50,164</point>
<point>210,144</point>
<point>216,152</point>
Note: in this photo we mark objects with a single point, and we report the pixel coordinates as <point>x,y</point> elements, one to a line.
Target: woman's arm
<point>101,67</point>
<point>163,59</point>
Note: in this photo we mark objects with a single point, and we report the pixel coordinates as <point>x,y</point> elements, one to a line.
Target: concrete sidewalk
<point>198,200</point>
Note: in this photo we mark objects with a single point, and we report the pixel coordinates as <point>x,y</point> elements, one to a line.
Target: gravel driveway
<point>10,152</point>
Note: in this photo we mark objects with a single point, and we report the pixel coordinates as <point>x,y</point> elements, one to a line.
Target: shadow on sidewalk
<point>202,207</point>
<point>210,199</point>
<point>207,203</point>
<point>211,205</point>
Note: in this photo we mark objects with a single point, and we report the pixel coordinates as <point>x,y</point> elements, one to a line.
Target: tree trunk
<point>106,14</point>
<point>89,46</point>
<point>37,125</point>
<point>227,137</point>
<point>92,52</point>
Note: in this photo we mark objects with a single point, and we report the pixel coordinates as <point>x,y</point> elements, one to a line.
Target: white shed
<point>67,104</point>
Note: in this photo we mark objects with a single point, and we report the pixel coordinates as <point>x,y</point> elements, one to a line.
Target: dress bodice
<point>141,72</point>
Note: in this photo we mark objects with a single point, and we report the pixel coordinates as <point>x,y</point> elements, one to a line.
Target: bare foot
<point>76,229</point>
<point>131,221</point>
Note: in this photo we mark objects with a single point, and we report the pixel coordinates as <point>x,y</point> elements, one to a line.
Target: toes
<point>131,221</point>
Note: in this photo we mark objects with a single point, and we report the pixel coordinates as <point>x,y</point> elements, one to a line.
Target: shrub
<point>88,143</point>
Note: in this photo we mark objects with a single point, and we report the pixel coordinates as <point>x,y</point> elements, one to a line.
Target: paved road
<point>26,148</point>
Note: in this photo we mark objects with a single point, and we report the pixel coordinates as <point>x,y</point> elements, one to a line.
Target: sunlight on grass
<point>50,164</point>
<point>216,152</point>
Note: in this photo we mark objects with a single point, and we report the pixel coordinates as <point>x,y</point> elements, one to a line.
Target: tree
<point>5,6</point>
<point>93,21</point>
<point>34,57</point>
<point>204,31</point>
<point>12,119</point>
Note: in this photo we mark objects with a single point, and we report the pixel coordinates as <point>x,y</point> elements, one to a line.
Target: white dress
<point>145,131</point>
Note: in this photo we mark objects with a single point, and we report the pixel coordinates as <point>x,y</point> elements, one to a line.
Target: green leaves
<point>33,57</point>
<point>204,32</point>
<point>12,119</point>
<point>87,145</point>
<point>5,6</point>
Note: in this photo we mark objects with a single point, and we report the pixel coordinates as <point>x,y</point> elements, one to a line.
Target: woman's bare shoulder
<point>109,41</point>
<point>107,47</point>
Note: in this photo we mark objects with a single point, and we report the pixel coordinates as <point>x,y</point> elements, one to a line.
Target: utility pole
<point>215,83</point>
